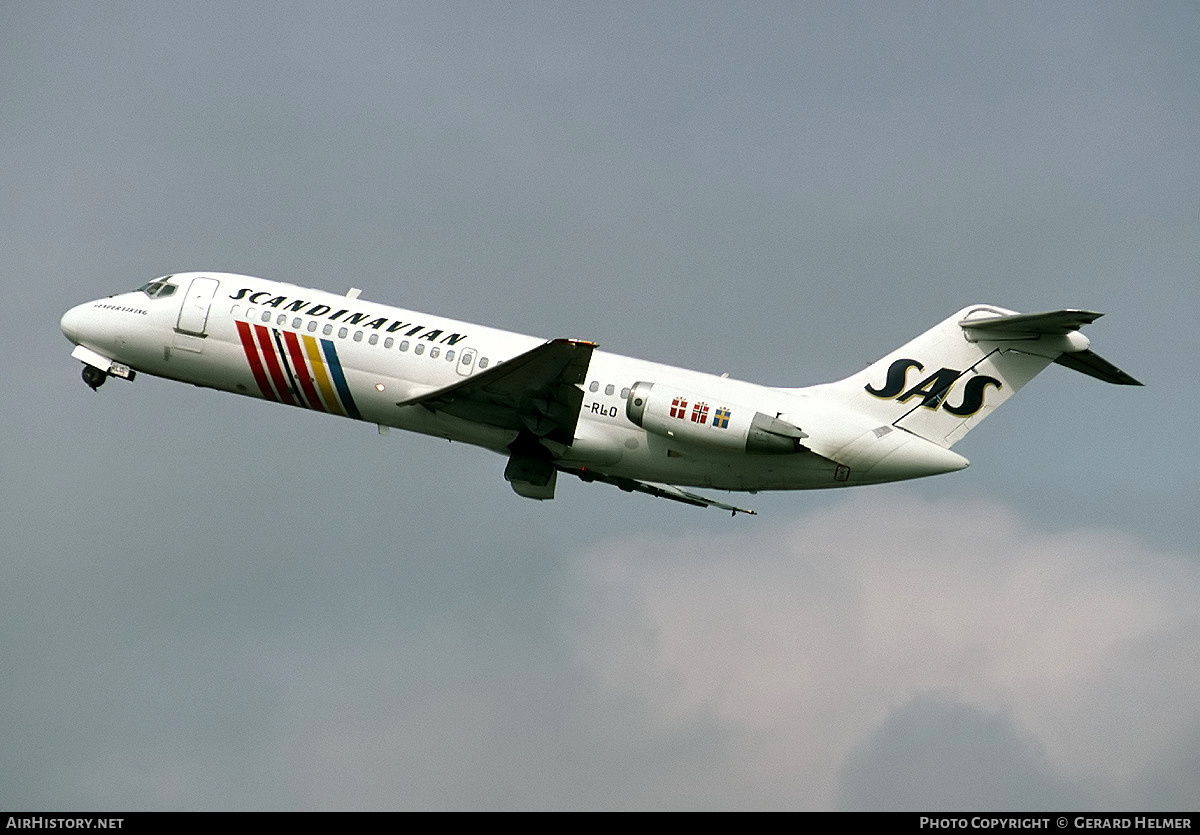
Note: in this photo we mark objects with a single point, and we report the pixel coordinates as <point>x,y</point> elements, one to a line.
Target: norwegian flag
<point>678,408</point>
<point>700,413</point>
<point>721,418</point>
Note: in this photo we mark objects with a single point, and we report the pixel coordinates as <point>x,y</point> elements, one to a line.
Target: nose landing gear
<point>94,377</point>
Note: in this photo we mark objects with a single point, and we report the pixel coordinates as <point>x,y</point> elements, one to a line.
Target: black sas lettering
<point>896,378</point>
<point>973,393</point>
<point>932,389</point>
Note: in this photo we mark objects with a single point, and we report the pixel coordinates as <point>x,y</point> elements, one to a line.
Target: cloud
<point>935,754</point>
<point>858,656</point>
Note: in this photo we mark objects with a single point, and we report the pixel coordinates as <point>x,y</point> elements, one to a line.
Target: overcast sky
<point>209,602</point>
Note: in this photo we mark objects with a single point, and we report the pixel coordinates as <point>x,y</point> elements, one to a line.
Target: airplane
<point>563,406</point>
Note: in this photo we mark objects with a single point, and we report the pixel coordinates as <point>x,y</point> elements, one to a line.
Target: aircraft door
<point>193,313</point>
<point>466,362</point>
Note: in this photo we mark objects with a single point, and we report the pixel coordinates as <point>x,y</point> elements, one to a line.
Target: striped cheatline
<point>297,369</point>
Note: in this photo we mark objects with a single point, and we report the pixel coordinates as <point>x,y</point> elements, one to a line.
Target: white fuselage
<point>267,339</point>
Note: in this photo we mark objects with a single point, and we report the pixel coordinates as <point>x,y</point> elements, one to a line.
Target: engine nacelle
<point>709,421</point>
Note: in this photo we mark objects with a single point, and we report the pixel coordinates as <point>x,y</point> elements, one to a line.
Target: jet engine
<point>709,421</point>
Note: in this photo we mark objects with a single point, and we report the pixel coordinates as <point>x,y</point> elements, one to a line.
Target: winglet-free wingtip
<point>662,491</point>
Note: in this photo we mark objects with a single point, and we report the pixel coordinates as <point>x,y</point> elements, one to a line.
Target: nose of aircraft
<point>72,322</point>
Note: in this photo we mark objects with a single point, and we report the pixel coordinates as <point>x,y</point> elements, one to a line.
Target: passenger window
<point>342,333</point>
<point>483,363</point>
<point>449,356</point>
<point>609,389</point>
<point>266,317</point>
<point>282,318</point>
<point>328,329</point>
<point>296,323</point>
<point>404,345</point>
<point>358,336</point>
<point>594,387</point>
<point>312,326</point>
<point>251,313</point>
<point>625,391</point>
<point>420,349</point>
<point>373,339</point>
<point>433,352</point>
<point>387,343</point>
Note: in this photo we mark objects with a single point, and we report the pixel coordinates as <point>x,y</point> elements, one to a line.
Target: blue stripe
<point>339,379</point>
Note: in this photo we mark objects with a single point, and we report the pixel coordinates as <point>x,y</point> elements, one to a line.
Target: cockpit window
<point>158,288</point>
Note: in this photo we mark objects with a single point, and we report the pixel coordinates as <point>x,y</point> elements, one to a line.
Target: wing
<point>662,491</point>
<point>537,391</point>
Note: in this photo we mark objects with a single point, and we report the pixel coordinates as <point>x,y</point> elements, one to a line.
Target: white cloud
<point>800,642</point>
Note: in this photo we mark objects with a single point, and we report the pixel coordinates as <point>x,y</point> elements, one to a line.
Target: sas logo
<point>933,389</point>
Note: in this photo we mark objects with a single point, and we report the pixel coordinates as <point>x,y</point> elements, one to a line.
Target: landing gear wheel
<point>94,377</point>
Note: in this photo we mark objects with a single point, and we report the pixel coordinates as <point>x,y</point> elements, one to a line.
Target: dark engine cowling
<point>709,421</point>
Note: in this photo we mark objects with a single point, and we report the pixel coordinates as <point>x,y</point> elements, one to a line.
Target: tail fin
<point>945,382</point>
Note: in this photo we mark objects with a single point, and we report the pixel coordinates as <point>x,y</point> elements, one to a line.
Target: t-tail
<point>945,382</point>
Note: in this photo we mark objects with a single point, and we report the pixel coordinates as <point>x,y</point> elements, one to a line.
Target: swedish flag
<point>721,418</point>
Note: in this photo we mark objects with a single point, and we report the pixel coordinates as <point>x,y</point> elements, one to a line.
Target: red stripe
<point>301,370</point>
<point>268,350</point>
<point>256,368</point>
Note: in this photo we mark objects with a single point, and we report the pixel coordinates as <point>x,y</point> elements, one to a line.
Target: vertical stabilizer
<point>950,378</point>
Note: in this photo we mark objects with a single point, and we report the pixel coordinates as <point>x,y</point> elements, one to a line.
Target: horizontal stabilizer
<point>1054,323</point>
<point>1094,365</point>
<point>1017,325</point>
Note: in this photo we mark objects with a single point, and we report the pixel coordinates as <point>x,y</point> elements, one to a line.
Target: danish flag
<point>678,408</point>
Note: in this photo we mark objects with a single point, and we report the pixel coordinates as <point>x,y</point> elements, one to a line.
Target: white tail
<point>942,384</point>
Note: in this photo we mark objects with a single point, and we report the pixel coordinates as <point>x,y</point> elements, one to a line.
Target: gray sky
<point>208,602</point>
